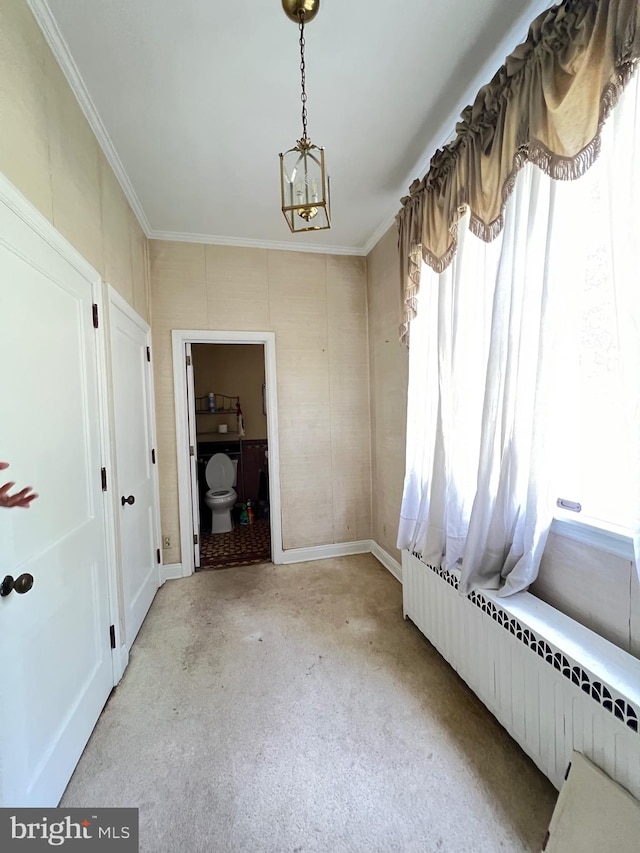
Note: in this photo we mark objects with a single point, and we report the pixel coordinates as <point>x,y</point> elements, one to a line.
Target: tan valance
<point>547,104</point>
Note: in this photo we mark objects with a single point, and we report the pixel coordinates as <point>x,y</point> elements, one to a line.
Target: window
<point>599,468</point>
<point>524,374</point>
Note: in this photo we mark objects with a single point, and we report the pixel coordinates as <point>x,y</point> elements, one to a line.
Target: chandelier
<point>304,185</point>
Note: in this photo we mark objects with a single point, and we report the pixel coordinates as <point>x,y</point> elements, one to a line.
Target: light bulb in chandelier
<point>304,183</point>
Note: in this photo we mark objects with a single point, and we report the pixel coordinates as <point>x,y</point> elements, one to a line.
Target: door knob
<point>130,500</point>
<point>21,584</point>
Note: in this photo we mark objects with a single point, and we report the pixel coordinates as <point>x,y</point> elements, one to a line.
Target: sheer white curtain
<point>447,365</point>
<point>483,431</point>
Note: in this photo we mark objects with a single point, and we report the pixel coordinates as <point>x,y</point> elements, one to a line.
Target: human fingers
<point>22,493</point>
<point>5,488</point>
<point>3,465</point>
<point>25,502</point>
<point>22,498</point>
<point>11,500</point>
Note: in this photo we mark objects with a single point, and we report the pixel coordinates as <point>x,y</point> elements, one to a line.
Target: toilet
<point>221,475</point>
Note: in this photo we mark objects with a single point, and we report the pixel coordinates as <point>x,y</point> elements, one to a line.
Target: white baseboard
<point>170,571</point>
<point>324,552</point>
<point>387,560</point>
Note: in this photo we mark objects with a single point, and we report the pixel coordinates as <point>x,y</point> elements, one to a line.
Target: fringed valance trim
<point>546,105</point>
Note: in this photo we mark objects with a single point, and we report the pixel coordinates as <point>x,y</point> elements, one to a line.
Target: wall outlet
<point>166,542</point>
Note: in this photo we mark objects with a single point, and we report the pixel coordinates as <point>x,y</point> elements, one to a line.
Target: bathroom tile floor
<point>242,546</point>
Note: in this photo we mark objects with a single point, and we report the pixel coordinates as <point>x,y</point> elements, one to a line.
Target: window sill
<point>613,540</point>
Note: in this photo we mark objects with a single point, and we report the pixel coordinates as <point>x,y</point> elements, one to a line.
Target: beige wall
<point>389,376</point>
<point>236,370</point>
<point>317,306</point>
<point>49,152</point>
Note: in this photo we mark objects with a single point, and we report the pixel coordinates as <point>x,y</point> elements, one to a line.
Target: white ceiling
<point>192,101</point>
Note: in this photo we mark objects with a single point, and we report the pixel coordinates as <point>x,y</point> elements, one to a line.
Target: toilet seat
<point>220,474</point>
<point>220,497</point>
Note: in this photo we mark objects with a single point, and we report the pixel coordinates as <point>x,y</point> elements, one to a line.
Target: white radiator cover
<point>554,685</point>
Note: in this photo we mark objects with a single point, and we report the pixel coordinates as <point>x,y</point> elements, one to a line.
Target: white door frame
<point>38,223</point>
<point>113,298</point>
<point>193,460</point>
<point>119,655</point>
<point>179,338</point>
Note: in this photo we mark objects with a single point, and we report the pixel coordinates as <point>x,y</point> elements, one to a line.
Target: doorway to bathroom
<point>232,452</point>
<point>228,461</point>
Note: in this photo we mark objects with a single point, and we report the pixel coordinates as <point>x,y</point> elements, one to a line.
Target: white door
<point>193,457</point>
<point>54,640</point>
<point>135,483</point>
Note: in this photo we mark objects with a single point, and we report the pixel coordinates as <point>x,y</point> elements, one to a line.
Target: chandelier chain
<point>303,80</point>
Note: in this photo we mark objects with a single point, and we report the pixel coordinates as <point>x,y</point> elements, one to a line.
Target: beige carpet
<point>290,709</point>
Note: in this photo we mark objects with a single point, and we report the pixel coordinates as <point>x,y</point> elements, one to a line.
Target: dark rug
<point>245,545</point>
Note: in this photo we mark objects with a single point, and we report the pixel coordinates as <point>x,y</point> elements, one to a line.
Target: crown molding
<point>48,24</point>
<point>380,231</point>
<point>49,27</point>
<point>51,32</point>
<point>249,243</point>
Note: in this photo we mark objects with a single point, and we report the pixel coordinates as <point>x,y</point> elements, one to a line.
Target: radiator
<point>554,685</point>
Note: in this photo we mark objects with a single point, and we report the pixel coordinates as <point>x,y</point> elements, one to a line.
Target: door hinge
<point>148,354</point>
<point>188,361</point>
<point>191,450</point>
<point>158,555</point>
<point>96,321</point>
<point>103,475</point>
<point>153,455</point>
<point>566,775</point>
<point>112,635</point>
<point>195,538</point>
